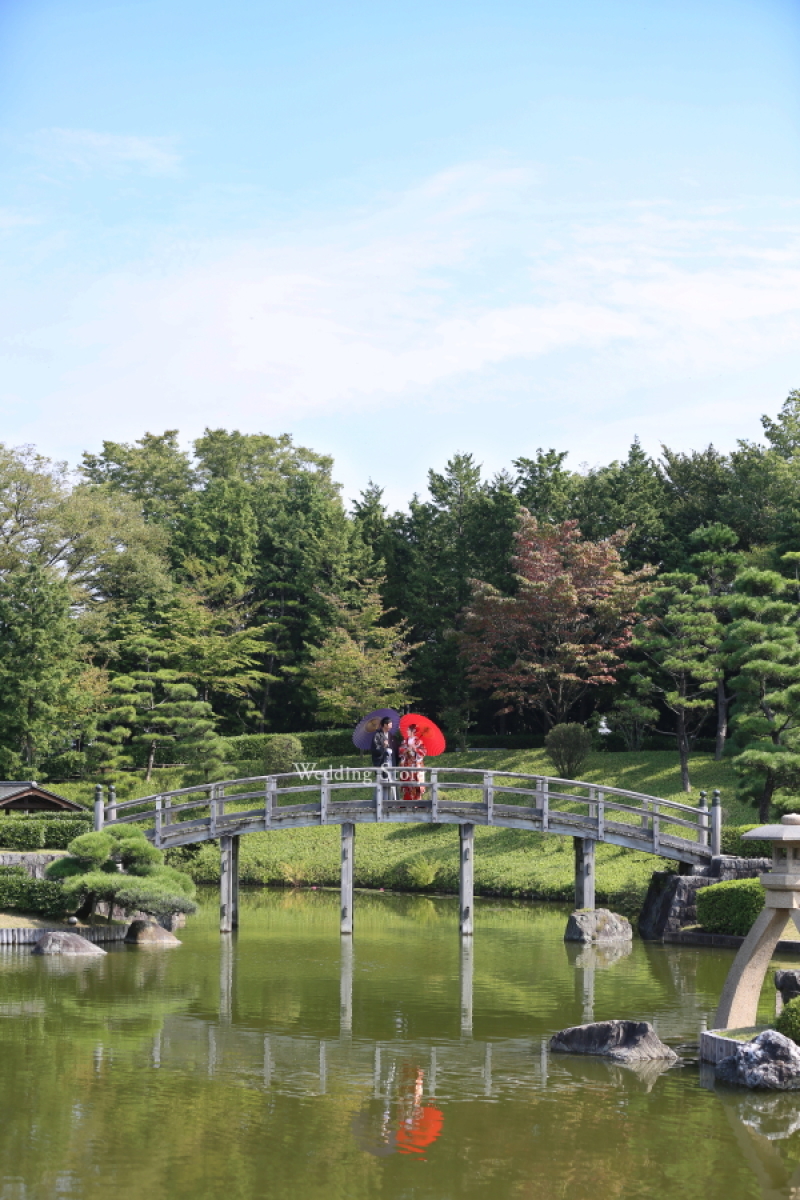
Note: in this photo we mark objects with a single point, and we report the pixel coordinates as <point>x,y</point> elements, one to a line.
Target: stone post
<point>584,872</point>
<point>228,884</point>
<point>466,843</point>
<point>348,849</point>
<point>99,815</point>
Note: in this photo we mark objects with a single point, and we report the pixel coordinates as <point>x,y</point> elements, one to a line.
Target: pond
<point>283,1062</point>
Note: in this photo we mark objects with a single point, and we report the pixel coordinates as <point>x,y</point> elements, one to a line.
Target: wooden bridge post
<point>466,842</point>
<point>348,849</point>
<point>228,883</point>
<point>99,815</point>
<point>716,823</point>
<point>465,978</point>
<point>702,810</point>
<point>584,872</point>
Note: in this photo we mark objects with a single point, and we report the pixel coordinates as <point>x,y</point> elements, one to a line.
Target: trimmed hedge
<point>41,833</point>
<point>14,872</point>
<point>731,843</point>
<point>506,741</point>
<point>730,907</point>
<point>788,1021</point>
<point>43,896</point>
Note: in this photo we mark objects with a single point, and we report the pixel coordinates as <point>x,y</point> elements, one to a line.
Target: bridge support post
<point>228,884</point>
<point>348,849</point>
<point>584,872</point>
<point>466,842</point>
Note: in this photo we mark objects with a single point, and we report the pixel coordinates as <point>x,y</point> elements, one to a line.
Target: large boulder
<point>770,1060</point>
<point>788,984</point>
<point>149,933</point>
<point>597,926</point>
<point>619,1041</point>
<point>66,944</point>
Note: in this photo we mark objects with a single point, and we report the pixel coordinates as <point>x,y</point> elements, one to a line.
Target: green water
<point>281,1063</point>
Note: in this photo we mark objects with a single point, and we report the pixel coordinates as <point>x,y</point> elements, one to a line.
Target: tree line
<point>156,599</point>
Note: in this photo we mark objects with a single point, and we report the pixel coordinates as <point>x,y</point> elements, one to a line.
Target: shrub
<point>43,896</point>
<point>92,849</point>
<point>295,873</point>
<point>731,843</point>
<point>568,747</point>
<point>13,873</point>
<point>421,872</point>
<point>281,752</point>
<point>152,895</point>
<point>788,1022</point>
<point>16,834</point>
<point>730,907</point>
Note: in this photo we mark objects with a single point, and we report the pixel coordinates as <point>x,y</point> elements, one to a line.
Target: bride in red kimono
<point>412,754</point>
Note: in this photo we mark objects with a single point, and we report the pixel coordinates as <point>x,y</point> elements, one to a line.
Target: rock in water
<point>620,1041</point>
<point>148,933</point>
<point>65,943</point>
<point>771,1060</point>
<point>597,925</point>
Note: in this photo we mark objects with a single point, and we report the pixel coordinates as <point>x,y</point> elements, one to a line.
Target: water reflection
<point>586,960</point>
<point>761,1123</point>
<point>398,1118</point>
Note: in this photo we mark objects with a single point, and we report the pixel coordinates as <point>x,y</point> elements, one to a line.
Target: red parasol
<point>429,734</point>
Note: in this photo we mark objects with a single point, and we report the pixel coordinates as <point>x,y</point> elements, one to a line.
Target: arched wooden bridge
<point>347,796</point>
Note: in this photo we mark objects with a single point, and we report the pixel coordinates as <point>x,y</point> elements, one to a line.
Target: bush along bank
<point>730,907</point>
<point>24,833</point>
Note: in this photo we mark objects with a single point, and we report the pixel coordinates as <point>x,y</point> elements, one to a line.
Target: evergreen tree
<point>628,495</point>
<point>361,663</point>
<point>717,561</point>
<point>763,651</point>
<point>40,668</point>
<point>680,637</point>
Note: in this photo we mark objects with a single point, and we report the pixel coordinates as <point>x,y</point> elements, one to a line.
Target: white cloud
<point>455,286</point>
<point>108,152</point>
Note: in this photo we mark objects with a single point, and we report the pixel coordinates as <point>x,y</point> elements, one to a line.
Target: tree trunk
<point>765,803</point>
<point>683,751</point>
<point>722,720</point>
<point>151,758</point>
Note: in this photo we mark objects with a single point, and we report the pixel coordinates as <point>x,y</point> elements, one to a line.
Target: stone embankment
<point>671,901</point>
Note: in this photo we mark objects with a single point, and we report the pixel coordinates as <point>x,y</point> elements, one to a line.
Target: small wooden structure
<point>27,796</point>
<point>738,1006</point>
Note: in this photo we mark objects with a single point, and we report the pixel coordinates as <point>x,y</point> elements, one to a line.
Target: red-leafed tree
<point>564,629</point>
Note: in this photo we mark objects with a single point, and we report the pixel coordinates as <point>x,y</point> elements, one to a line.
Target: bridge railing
<point>445,795</point>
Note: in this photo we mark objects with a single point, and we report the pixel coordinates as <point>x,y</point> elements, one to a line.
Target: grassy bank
<point>507,862</point>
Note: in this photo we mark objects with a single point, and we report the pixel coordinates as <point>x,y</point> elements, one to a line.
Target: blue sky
<point>399,230</point>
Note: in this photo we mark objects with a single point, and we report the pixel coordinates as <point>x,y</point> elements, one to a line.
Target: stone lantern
<point>738,1006</point>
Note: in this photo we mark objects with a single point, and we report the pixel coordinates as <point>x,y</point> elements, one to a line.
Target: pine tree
<point>763,651</point>
<point>681,637</point>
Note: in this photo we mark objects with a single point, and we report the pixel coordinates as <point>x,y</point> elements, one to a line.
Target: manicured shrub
<point>421,872</point>
<point>13,873</point>
<point>282,751</point>
<point>730,907</point>
<point>43,896</point>
<point>17,834</point>
<point>731,842</point>
<point>59,831</point>
<point>92,849</point>
<point>568,747</point>
<point>788,1023</point>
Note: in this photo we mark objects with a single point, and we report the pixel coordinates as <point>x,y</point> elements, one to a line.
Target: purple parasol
<point>368,725</point>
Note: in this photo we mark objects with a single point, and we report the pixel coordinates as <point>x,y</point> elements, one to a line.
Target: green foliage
<point>14,872</point>
<point>788,1020</point>
<point>43,896</point>
<point>421,872</point>
<point>763,649</point>
<point>92,849</point>
<point>152,895</point>
<point>732,842</point>
<point>730,907</point>
<point>281,752</point>
<point>21,835</point>
<point>568,747</point>
<point>294,873</point>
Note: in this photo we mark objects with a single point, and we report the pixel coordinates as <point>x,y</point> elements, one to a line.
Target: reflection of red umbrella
<point>424,1127</point>
<point>368,725</point>
<point>429,734</point>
